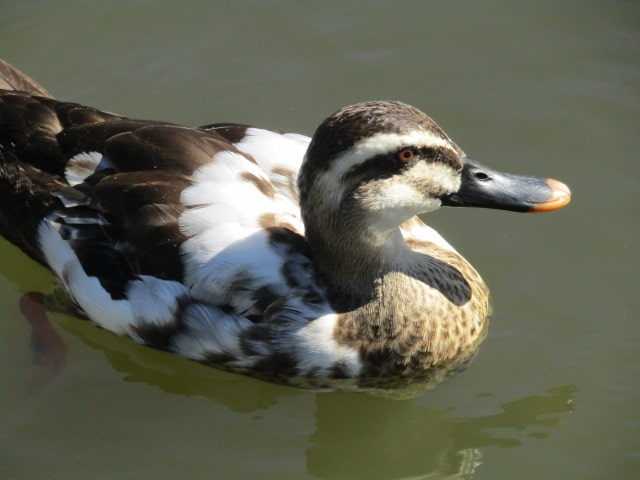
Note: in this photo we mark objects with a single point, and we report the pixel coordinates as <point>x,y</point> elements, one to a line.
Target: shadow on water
<point>356,435</point>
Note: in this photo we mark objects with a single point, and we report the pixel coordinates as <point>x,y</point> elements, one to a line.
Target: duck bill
<point>484,187</point>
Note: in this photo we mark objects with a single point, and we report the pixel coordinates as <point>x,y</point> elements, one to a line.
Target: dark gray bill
<point>484,187</point>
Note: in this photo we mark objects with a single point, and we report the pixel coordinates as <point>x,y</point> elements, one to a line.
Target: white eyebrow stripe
<point>383,143</point>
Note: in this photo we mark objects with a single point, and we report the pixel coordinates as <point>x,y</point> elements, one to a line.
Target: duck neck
<point>405,308</point>
<point>353,260</point>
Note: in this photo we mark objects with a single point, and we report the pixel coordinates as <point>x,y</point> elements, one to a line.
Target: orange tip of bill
<point>560,196</point>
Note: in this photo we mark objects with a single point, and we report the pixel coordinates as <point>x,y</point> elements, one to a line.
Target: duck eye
<point>406,155</point>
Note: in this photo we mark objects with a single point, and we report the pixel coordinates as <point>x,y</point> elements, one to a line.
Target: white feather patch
<point>246,265</point>
<point>274,150</point>
<point>225,169</point>
<point>114,315</point>
<point>316,347</point>
<point>209,331</point>
<point>222,196</point>
<point>229,205</point>
<point>83,165</point>
<point>154,300</point>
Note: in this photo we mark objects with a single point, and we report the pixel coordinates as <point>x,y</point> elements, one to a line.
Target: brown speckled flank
<point>414,337</point>
<point>293,259</point>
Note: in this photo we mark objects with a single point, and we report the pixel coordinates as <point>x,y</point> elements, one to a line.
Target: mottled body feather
<point>191,240</point>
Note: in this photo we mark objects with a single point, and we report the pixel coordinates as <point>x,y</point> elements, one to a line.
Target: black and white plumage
<point>254,249</point>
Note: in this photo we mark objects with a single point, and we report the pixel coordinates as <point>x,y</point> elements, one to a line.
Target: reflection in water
<point>402,439</point>
<point>355,435</point>
<point>177,375</point>
<point>48,349</point>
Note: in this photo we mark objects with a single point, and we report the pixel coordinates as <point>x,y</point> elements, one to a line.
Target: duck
<point>257,250</point>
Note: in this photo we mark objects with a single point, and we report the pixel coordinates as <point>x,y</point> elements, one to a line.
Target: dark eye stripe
<point>441,155</point>
<point>380,166</point>
<point>388,165</point>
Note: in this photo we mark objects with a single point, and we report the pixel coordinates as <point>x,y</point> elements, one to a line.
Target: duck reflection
<point>368,437</point>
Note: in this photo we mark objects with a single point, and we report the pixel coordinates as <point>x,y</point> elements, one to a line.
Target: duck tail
<point>22,185</point>
<point>13,79</point>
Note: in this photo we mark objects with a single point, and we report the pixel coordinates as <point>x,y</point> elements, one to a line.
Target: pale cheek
<point>398,196</point>
<point>387,205</point>
<point>444,178</point>
<point>408,197</point>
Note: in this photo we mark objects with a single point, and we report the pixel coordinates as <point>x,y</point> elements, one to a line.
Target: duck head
<point>374,165</point>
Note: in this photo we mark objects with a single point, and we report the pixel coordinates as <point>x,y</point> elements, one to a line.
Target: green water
<point>549,88</point>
